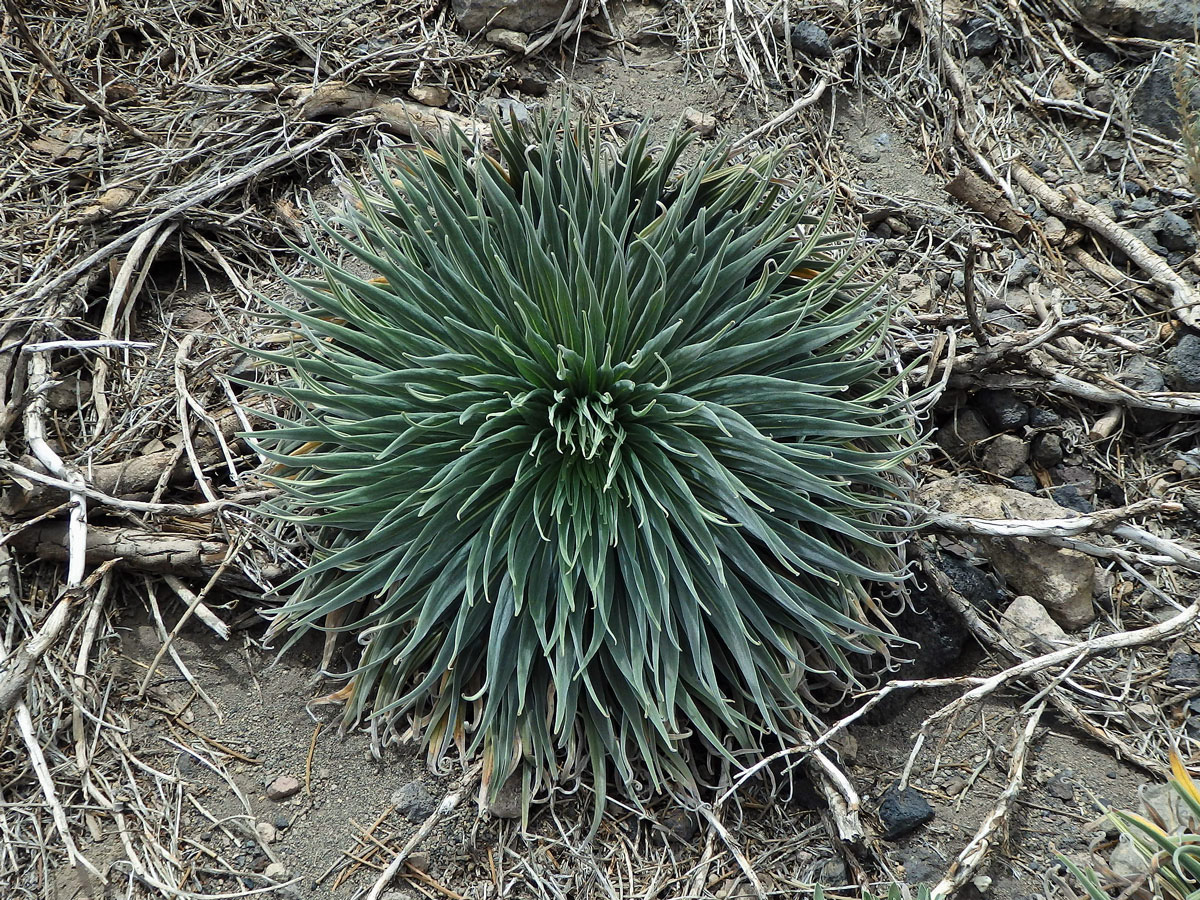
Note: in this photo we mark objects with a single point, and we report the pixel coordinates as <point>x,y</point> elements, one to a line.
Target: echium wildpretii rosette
<point>598,462</point>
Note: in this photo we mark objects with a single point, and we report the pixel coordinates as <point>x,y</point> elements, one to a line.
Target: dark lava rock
<point>958,434</point>
<point>1184,670</point>
<point>1162,20</point>
<point>939,631</point>
<point>1101,60</point>
<point>979,588</point>
<point>526,16</point>
<point>811,40</point>
<point>1100,97</point>
<point>1147,235</point>
<point>1175,232</point>
<point>1183,364</point>
<point>681,823</point>
<point>1060,787</point>
<point>922,865</point>
<point>1142,375</point>
<point>902,811</point>
<point>1156,103</point>
<point>1002,410</point>
<point>1044,418</point>
<point>1022,270</point>
<point>1047,450</point>
<point>1026,483</point>
<point>414,802</point>
<point>982,37</point>
<point>1068,496</point>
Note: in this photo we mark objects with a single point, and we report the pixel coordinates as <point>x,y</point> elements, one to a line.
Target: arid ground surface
<point>1023,176</point>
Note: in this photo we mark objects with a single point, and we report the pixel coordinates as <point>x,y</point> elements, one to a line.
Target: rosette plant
<point>599,459</point>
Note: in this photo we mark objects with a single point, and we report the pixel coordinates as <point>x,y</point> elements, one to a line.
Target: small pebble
<point>902,811</point>
<point>704,124</point>
<point>429,94</point>
<point>266,832</point>
<point>505,39</point>
<point>1060,788</point>
<point>982,37</point>
<point>811,40</point>
<point>276,871</point>
<point>1063,88</point>
<point>283,787</point>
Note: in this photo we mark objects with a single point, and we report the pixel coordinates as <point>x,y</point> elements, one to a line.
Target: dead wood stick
<point>138,475</point>
<point>145,551</point>
<point>987,200</point>
<point>85,870</point>
<point>842,808</point>
<point>119,294</point>
<point>854,840</point>
<point>75,536</point>
<point>449,802</point>
<point>139,506</point>
<point>1110,274</point>
<point>718,827</point>
<point>201,196</point>
<point>981,337</point>
<point>973,856</point>
<point>814,94</point>
<point>336,98</point>
<point>989,637</point>
<point>1074,654</point>
<point>1104,520</point>
<point>1180,555</point>
<point>1001,350</point>
<point>1184,299</point>
<point>17,669</point>
<point>1048,380</point>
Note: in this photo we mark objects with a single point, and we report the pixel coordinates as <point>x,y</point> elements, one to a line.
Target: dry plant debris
<point>155,160</point>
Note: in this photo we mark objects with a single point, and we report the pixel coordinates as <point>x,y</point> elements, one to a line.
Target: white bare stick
<point>117,297</point>
<point>744,864</point>
<point>1185,301</point>
<point>46,781</point>
<point>182,395</point>
<point>1182,556</point>
<point>84,345</point>
<point>818,90</point>
<point>1067,526</point>
<point>79,677</point>
<point>449,802</point>
<point>975,853</point>
<point>195,602</point>
<point>139,506</point>
<point>843,804</point>
<point>1076,653</point>
<point>35,436</point>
